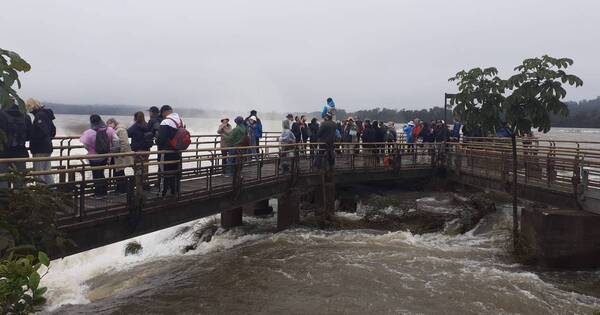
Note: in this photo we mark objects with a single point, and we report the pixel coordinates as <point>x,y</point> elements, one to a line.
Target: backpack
<point>148,139</point>
<point>103,143</point>
<point>182,138</point>
<point>17,131</point>
<point>41,116</point>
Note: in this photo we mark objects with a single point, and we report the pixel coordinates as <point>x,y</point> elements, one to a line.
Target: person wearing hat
<point>258,128</point>
<point>224,130</point>
<point>236,138</point>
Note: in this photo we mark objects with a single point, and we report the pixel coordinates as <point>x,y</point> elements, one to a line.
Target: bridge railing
<point>558,165</point>
<point>561,166</point>
<point>200,173</point>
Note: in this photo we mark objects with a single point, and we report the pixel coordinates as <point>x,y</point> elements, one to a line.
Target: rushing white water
<point>314,271</point>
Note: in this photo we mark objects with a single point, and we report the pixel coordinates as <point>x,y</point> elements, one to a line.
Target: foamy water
<point>303,271</point>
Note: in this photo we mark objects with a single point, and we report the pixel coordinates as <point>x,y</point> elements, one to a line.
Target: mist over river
<point>255,270</point>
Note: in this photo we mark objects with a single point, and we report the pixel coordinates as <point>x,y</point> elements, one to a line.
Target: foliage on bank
<point>27,230</point>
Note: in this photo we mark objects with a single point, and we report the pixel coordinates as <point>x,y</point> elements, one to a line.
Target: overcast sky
<point>279,54</point>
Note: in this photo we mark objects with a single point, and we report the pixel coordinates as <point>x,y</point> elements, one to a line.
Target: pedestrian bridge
<point>562,173</point>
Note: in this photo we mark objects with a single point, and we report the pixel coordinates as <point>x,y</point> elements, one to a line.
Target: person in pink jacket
<point>98,140</point>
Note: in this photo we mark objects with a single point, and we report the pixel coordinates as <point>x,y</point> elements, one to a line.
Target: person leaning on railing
<point>167,131</point>
<point>40,142</point>
<point>142,140</point>
<point>98,140</point>
<point>287,137</point>
<point>224,130</point>
<point>236,138</point>
<point>122,161</point>
<point>326,135</point>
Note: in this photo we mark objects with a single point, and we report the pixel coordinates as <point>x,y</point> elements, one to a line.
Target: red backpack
<point>182,138</point>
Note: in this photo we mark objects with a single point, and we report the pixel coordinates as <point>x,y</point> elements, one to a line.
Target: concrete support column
<point>231,218</point>
<point>324,198</point>
<point>288,209</point>
<point>258,208</point>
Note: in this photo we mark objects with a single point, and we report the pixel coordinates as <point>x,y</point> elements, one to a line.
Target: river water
<point>255,270</point>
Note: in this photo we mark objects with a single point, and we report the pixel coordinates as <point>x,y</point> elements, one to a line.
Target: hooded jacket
<point>329,108</point>
<point>408,133</point>
<point>168,130</point>
<point>42,131</point>
<point>17,148</point>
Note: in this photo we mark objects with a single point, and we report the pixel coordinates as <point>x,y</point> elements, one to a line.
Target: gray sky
<point>283,55</point>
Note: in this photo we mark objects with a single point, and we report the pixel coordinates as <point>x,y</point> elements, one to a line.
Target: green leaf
<point>39,292</point>
<point>34,280</point>
<point>43,258</point>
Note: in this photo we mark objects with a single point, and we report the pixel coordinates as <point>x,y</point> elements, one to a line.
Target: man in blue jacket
<point>329,109</point>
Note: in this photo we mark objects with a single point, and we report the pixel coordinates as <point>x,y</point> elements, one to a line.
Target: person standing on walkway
<point>327,135</point>
<point>142,140</point>
<point>154,120</point>
<point>170,162</point>
<point>251,130</point>
<point>236,139</point>
<point>287,137</point>
<point>122,161</point>
<point>16,127</point>
<point>223,131</point>
<point>98,140</point>
<point>296,130</point>
<point>258,128</point>
<point>40,142</point>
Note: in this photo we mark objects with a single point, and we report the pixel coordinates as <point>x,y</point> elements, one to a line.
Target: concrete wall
<point>561,238</point>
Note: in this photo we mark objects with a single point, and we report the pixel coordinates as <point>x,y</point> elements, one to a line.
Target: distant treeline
<point>585,114</point>
<point>113,110</point>
<point>386,114</point>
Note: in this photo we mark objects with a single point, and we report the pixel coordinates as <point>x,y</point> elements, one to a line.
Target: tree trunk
<point>514,191</point>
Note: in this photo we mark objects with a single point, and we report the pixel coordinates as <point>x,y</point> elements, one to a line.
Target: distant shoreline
<point>583,115</point>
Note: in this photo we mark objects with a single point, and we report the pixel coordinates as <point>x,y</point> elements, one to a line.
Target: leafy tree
<point>10,66</point>
<point>479,102</point>
<point>525,101</point>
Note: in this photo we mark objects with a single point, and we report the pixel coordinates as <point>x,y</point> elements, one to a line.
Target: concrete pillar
<point>258,208</point>
<point>231,218</point>
<point>288,209</point>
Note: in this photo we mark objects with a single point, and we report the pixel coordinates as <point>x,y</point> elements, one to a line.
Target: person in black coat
<point>140,133</point>
<point>327,135</point>
<point>155,120</point>
<point>166,132</point>
<point>297,130</point>
<point>142,140</point>
<point>40,142</point>
<point>16,127</point>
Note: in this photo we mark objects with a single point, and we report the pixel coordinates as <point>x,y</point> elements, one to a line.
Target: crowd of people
<point>167,130</point>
